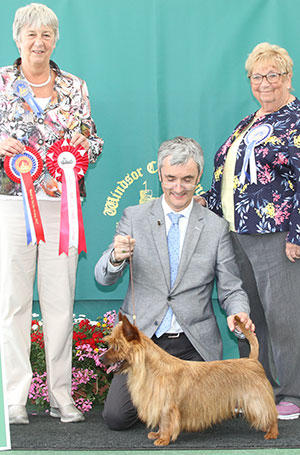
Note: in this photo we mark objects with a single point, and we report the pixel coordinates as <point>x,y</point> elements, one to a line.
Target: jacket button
<point>169,299</point>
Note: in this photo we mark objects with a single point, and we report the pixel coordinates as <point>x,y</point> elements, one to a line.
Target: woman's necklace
<point>43,84</point>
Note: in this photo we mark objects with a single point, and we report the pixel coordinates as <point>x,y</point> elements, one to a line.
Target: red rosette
<point>54,163</point>
<point>22,163</point>
<point>24,168</point>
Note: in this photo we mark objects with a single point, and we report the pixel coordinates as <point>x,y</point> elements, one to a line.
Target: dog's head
<point>121,343</point>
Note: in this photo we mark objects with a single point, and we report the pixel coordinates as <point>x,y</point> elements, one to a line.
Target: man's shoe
<point>17,414</point>
<point>67,414</point>
<point>287,410</point>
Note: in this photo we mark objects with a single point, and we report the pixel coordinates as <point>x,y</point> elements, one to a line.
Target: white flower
<point>93,322</point>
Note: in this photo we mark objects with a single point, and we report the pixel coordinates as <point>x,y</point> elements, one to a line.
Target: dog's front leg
<point>169,427</point>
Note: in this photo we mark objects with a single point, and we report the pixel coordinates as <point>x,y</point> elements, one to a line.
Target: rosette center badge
<point>66,160</point>
<point>23,164</point>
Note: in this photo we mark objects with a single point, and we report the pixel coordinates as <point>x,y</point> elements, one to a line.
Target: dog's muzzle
<point>114,367</point>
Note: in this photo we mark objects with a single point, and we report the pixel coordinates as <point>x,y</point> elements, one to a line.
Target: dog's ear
<point>120,316</point>
<point>130,332</point>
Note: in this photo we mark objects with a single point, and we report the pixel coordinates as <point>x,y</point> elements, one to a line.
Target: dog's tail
<point>251,337</point>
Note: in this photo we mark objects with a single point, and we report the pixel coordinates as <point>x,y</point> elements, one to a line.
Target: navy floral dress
<point>272,203</point>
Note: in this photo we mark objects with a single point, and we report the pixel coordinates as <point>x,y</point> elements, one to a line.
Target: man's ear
<point>199,177</point>
<point>130,332</point>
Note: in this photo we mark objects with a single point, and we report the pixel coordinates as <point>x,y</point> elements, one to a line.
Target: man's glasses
<point>184,185</point>
<point>272,78</point>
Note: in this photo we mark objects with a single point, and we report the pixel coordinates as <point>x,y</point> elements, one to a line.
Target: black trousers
<point>119,412</point>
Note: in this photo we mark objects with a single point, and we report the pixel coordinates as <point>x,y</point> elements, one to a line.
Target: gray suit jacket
<point>207,253</point>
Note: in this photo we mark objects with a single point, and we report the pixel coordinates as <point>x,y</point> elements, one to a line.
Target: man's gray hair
<point>37,15</point>
<point>180,149</point>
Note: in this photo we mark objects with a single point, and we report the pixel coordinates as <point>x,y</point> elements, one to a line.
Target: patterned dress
<point>269,207</point>
<point>271,204</point>
<point>67,112</point>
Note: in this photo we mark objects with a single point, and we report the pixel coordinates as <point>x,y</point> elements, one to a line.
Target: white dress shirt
<point>183,222</point>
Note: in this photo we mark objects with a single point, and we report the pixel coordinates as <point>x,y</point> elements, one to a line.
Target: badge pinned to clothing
<point>22,90</point>
<point>24,168</point>
<point>253,138</point>
<point>68,164</point>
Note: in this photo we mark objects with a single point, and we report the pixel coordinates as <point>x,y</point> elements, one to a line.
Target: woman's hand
<point>11,147</point>
<point>200,200</point>
<point>80,139</point>
<point>292,251</point>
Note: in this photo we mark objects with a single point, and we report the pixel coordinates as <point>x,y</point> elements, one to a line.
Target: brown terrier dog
<point>178,395</point>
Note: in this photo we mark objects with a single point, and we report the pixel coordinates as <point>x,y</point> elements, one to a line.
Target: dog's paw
<point>272,431</point>
<point>162,442</point>
<point>153,435</point>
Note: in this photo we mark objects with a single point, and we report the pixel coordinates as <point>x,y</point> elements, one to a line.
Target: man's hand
<point>243,318</point>
<point>123,247</point>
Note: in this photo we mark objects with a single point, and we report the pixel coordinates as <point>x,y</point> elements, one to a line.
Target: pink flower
<point>276,197</point>
<point>264,176</point>
<point>281,159</point>
<point>282,213</point>
<point>89,380</point>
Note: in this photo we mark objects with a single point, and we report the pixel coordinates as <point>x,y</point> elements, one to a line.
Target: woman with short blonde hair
<point>256,188</point>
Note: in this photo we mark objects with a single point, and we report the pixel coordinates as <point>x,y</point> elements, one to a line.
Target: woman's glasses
<point>272,78</point>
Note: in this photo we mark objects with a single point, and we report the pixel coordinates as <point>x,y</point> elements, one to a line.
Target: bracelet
<point>113,259</point>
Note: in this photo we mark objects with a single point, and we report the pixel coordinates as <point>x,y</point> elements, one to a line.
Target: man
<point>173,297</point>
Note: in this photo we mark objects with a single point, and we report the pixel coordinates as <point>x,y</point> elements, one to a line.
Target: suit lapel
<point>192,235</point>
<point>157,223</point>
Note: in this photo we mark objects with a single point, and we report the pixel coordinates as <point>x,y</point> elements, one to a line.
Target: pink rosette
<point>68,164</point>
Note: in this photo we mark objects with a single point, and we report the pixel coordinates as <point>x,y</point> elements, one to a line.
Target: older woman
<point>58,108</point>
<point>256,187</point>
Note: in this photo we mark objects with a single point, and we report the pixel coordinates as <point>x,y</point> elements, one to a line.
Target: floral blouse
<point>273,203</point>
<point>67,112</point>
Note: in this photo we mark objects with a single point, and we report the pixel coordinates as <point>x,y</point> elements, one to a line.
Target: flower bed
<point>90,382</point>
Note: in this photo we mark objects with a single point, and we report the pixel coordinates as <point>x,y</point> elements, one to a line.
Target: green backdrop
<point>155,69</point>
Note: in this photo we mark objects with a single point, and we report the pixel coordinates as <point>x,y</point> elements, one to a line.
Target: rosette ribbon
<point>22,89</point>
<point>254,137</point>
<point>68,164</point>
<point>25,168</point>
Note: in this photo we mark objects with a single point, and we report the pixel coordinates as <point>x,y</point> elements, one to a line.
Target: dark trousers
<point>119,412</point>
